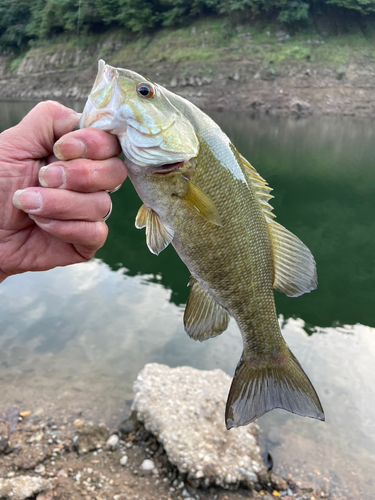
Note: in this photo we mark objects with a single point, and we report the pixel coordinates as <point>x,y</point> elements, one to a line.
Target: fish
<point>204,198</point>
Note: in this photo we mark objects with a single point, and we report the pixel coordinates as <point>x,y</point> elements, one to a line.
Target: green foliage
<point>294,12</point>
<point>24,21</point>
<point>362,6</point>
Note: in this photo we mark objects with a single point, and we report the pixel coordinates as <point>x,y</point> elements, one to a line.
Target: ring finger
<point>63,204</point>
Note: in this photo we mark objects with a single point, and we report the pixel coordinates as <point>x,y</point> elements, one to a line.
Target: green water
<point>93,326</point>
<point>323,176</point>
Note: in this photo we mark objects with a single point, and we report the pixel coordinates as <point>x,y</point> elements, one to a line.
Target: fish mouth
<point>96,118</point>
<point>167,168</point>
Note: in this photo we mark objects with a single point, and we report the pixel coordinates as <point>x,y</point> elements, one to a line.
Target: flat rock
<point>21,487</point>
<point>184,408</point>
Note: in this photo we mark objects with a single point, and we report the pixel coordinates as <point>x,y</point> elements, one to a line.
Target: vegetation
<point>25,21</point>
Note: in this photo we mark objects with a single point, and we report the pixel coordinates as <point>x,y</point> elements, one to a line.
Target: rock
<point>112,441</point>
<point>25,414</point>
<point>4,446</point>
<point>299,107</point>
<point>79,422</point>
<point>22,487</point>
<point>124,460</point>
<point>184,408</point>
<point>62,473</point>
<point>39,469</point>
<point>91,438</point>
<point>129,425</point>
<point>147,465</point>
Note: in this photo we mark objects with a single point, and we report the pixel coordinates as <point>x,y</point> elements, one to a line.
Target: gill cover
<point>151,130</point>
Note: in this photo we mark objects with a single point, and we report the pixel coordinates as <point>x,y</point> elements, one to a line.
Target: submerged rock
<point>21,487</point>
<point>184,408</point>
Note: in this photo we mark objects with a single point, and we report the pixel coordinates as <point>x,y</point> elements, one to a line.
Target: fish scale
<point>200,195</point>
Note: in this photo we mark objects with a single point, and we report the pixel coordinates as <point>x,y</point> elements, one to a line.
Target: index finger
<point>89,143</point>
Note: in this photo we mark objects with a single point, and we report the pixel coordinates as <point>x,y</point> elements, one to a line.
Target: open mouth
<point>167,168</point>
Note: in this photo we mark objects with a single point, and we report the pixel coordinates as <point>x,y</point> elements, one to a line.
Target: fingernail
<point>52,176</point>
<point>24,199</point>
<point>69,149</point>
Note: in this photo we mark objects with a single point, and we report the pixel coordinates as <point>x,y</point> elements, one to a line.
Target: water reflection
<point>88,329</point>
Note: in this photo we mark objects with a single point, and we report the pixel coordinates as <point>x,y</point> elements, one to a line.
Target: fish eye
<point>145,90</point>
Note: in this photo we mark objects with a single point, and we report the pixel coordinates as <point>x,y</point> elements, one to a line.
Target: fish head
<point>151,130</point>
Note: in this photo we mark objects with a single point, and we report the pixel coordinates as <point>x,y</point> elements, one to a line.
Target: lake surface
<point>78,336</point>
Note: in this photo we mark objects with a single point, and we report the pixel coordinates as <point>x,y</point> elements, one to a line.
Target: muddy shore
<point>74,458</point>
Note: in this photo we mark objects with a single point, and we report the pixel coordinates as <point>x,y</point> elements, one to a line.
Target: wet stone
<point>184,408</point>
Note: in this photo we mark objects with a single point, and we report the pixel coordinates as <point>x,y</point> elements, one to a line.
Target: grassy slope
<point>209,43</point>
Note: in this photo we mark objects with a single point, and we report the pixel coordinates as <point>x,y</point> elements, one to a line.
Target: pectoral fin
<point>196,199</point>
<point>204,318</point>
<point>158,235</point>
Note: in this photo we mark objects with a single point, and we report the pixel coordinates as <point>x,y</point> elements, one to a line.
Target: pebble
<point>39,469</point>
<point>62,473</point>
<point>147,464</point>
<point>112,441</point>
<point>25,414</point>
<point>124,460</point>
<point>38,412</point>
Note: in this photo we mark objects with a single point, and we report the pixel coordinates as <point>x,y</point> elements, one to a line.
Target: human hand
<point>67,212</point>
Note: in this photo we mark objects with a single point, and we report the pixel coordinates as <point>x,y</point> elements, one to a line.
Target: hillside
<point>214,64</point>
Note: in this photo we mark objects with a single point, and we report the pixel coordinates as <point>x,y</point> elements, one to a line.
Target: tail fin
<point>255,391</point>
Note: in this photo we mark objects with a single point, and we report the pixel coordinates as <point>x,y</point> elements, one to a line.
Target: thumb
<point>35,135</point>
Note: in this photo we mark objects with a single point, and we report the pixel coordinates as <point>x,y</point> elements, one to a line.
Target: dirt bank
<point>243,76</point>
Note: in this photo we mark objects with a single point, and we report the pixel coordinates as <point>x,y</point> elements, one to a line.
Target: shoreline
<point>277,98</point>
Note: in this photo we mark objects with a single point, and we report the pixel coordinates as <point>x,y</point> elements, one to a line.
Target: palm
<point>24,246</point>
<point>68,225</point>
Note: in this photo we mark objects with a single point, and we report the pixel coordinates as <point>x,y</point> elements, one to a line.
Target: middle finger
<point>84,175</point>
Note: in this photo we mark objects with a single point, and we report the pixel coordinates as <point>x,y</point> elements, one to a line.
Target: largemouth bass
<point>205,199</point>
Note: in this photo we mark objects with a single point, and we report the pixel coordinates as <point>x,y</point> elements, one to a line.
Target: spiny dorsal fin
<point>204,318</point>
<point>158,235</point>
<point>261,188</point>
<point>196,199</point>
<point>295,268</point>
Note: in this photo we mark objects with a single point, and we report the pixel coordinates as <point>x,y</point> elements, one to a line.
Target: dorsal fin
<point>295,268</point>
<point>261,188</point>
<point>204,318</point>
<point>294,265</point>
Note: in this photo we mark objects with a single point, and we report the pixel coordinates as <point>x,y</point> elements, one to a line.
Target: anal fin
<point>204,318</point>
<point>158,235</point>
